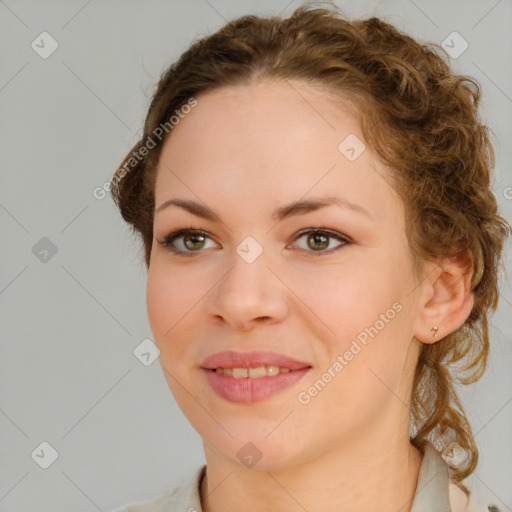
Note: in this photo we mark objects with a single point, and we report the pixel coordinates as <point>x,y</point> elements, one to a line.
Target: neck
<point>358,476</point>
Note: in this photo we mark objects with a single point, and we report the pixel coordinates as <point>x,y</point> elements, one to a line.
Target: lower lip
<point>252,390</point>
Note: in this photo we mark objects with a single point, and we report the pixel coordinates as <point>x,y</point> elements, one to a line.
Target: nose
<point>249,294</point>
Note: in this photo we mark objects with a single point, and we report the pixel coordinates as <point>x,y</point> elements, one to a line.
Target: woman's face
<point>342,308</point>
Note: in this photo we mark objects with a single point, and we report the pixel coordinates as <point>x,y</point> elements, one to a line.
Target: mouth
<point>256,372</point>
<point>252,376</point>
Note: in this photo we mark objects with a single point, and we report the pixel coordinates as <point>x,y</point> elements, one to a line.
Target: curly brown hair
<point>421,120</point>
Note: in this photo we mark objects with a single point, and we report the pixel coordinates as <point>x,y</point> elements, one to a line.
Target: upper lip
<point>233,359</point>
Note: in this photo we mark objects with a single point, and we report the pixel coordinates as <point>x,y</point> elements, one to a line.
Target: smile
<point>252,373</point>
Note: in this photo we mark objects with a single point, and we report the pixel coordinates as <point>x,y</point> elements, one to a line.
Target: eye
<point>192,240</point>
<point>318,240</point>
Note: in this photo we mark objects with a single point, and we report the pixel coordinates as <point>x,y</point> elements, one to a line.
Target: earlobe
<point>448,300</point>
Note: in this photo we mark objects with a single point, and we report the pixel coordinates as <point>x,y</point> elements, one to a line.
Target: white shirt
<point>435,492</point>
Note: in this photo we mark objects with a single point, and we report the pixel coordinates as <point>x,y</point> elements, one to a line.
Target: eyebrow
<point>284,212</point>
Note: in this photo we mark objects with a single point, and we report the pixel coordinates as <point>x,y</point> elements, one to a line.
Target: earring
<point>435,330</point>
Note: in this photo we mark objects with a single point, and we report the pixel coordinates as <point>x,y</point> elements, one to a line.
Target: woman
<point>322,245</point>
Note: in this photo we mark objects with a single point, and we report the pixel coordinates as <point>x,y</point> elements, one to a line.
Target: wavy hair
<point>422,121</point>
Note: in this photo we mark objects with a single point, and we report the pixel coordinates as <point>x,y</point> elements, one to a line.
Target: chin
<point>258,452</point>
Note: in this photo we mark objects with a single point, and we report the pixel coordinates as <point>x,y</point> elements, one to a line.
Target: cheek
<point>344,301</point>
<point>160,303</point>
<point>359,314</point>
<point>168,300</point>
<point>170,293</point>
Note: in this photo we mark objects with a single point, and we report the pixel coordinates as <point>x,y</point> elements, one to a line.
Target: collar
<point>432,489</point>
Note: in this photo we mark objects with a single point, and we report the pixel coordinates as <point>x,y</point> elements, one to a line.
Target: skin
<point>244,151</point>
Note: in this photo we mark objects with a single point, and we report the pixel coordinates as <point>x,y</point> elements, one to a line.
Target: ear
<point>446,300</point>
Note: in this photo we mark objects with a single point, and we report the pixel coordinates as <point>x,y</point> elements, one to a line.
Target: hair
<point>421,120</point>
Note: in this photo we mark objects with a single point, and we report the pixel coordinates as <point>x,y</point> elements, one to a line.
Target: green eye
<point>319,239</point>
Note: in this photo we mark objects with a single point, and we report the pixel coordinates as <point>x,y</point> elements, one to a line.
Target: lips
<point>232,383</point>
<point>252,359</point>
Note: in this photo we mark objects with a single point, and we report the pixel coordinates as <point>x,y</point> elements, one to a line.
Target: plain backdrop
<point>72,285</point>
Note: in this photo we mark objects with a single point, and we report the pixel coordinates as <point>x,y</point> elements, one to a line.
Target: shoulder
<point>185,497</point>
<point>476,502</point>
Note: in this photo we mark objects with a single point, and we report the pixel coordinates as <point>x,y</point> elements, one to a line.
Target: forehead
<point>268,143</point>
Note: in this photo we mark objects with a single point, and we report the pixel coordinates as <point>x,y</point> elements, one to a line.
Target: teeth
<point>253,373</point>
<point>240,373</point>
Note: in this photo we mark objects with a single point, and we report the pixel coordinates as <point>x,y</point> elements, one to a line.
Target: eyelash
<point>189,229</point>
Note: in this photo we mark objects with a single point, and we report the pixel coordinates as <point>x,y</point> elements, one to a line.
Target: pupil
<point>192,237</point>
<point>325,243</point>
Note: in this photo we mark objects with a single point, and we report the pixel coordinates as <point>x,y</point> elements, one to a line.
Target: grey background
<point>70,324</point>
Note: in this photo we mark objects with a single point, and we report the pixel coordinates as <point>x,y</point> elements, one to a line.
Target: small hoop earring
<point>435,328</point>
